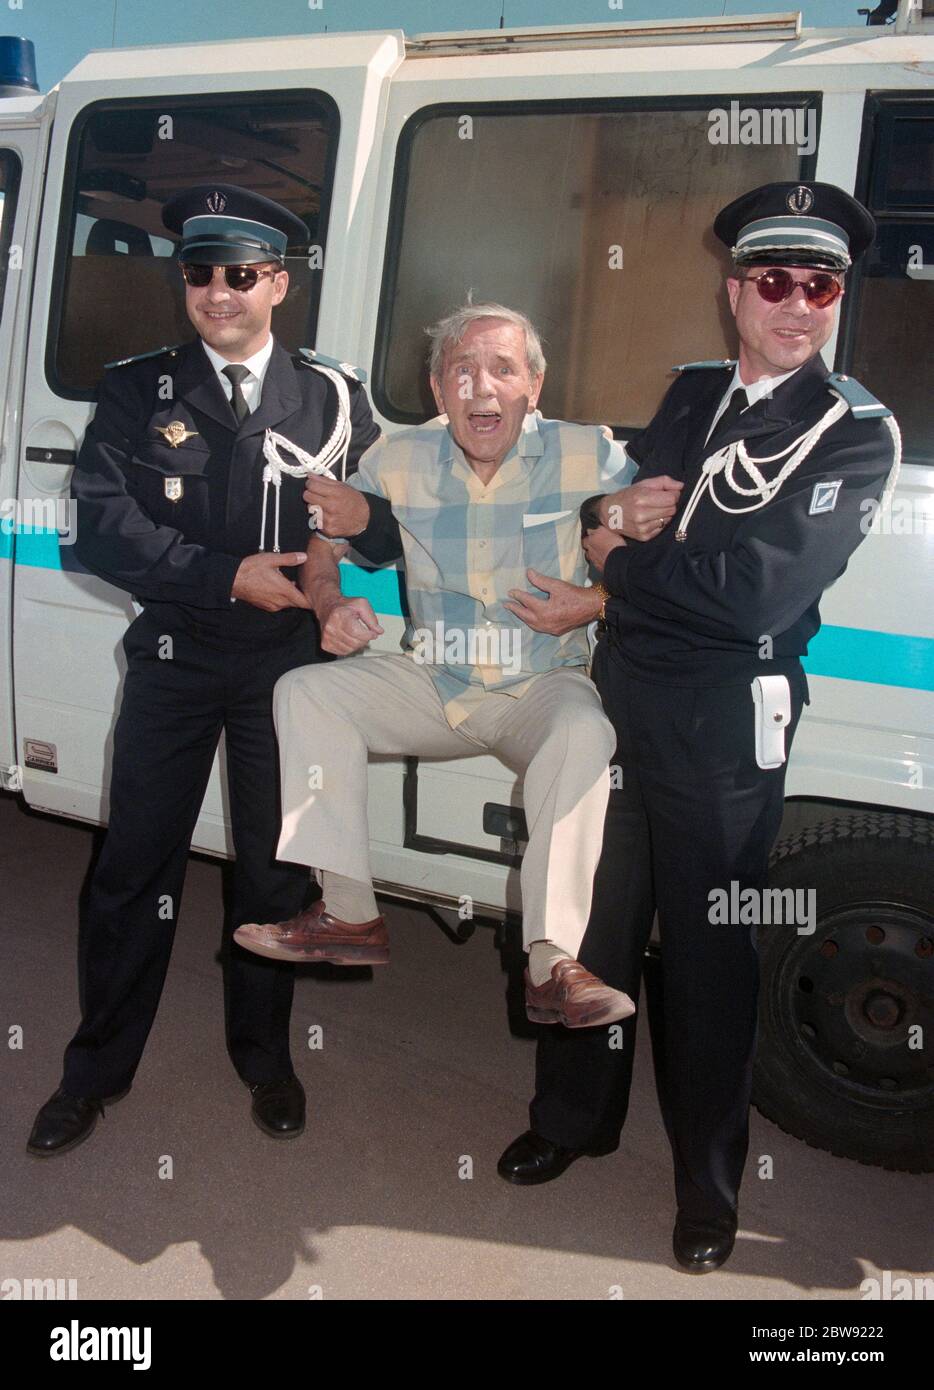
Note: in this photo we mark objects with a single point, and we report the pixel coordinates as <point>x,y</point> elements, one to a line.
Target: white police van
<point>573,173</point>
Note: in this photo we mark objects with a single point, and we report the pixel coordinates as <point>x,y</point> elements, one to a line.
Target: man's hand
<point>642,510</point>
<point>347,625</point>
<point>598,544</point>
<point>566,607</point>
<point>340,510</point>
<point>259,581</point>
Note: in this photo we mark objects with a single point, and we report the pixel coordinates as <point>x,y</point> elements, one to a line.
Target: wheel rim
<point>854,995</point>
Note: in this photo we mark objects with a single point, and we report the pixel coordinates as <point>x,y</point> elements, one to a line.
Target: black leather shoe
<point>279,1107</point>
<point>532,1159</point>
<point>63,1122</point>
<point>703,1245</point>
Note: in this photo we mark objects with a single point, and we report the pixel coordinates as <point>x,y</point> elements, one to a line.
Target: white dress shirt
<point>755,391</point>
<point>252,386</point>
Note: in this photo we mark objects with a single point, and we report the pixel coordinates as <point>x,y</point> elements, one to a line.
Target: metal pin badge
<point>175,433</point>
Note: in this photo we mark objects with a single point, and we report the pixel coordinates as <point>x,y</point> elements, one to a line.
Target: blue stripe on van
<point>844,653</point>
<point>859,654</point>
<point>36,548</point>
<point>385,589</point>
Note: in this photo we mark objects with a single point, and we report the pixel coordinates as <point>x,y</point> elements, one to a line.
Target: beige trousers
<point>330,717</point>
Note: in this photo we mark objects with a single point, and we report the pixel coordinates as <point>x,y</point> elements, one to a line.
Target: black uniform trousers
<point>168,729</point>
<point>694,812</point>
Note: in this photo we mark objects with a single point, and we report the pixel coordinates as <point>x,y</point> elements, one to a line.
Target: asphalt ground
<point>422,1076</point>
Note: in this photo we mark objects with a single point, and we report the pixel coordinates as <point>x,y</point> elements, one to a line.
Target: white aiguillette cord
<point>724,461</point>
<point>323,461</point>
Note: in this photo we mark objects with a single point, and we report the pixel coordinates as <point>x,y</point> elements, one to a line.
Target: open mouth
<point>484,421</point>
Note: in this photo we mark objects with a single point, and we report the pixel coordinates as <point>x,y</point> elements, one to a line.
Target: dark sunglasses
<point>775,286</point>
<point>238,277</point>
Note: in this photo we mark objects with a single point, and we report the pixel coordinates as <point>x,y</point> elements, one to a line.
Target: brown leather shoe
<point>575,998</point>
<point>315,935</point>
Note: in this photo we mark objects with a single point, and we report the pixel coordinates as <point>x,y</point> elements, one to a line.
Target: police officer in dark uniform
<point>699,669</point>
<point>189,492</point>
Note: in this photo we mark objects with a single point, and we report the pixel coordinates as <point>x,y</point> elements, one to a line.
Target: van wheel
<point>844,1012</point>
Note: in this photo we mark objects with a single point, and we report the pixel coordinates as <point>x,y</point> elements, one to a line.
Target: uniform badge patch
<point>824,497</point>
<point>174,489</point>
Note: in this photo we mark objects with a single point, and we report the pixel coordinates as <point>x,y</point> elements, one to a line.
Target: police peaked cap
<point>809,224</point>
<point>221,224</point>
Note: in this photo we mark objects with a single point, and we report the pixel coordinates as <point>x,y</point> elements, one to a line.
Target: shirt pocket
<point>171,485</point>
<point>551,544</point>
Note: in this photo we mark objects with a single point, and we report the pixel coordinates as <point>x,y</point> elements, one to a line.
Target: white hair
<point>450,330</point>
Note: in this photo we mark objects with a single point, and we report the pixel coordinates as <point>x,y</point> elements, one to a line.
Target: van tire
<point>834,1067</point>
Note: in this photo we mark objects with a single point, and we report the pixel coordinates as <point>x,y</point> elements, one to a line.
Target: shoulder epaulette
<point>318,359</point>
<point>141,357</point>
<point>862,403</point>
<point>715,362</point>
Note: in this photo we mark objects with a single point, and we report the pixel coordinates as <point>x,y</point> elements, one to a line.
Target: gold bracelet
<point>604,593</point>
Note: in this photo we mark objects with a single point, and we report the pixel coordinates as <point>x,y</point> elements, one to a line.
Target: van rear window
<point>9,188</point>
<point>889,341</point>
<point>121,291</point>
<point>595,220</point>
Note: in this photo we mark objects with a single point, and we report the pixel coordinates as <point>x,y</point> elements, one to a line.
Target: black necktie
<point>235,375</point>
<point>736,404</point>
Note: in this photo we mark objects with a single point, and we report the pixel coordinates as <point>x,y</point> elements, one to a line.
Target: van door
<point>287,118</point>
<point>868,734</point>
<point>20,168</point>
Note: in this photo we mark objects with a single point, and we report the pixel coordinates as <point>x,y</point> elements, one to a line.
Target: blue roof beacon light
<point>17,67</point>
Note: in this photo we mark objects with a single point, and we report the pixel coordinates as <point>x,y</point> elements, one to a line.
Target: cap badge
<point>174,489</point>
<point>800,200</point>
<point>174,434</point>
<point>215,202</point>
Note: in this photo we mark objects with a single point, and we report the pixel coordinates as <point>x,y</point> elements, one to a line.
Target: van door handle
<point>63,456</point>
<point>506,821</point>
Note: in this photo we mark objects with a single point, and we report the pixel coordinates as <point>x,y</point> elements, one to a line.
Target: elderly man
<point>485,497</point>
<point>700,671</point>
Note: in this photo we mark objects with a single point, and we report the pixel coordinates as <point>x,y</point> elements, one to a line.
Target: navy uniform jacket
<point>171,525</point>
<point>695,612</point>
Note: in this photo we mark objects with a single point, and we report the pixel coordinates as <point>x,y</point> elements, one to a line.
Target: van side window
<point>10,170</point>
<point>595,219</point>
<point>121,291</point>
<point>890,335</point>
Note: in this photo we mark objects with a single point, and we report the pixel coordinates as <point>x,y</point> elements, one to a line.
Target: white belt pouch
<point>772,698</point>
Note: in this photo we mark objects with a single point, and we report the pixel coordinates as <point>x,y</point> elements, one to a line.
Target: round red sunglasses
<point>775,286</point>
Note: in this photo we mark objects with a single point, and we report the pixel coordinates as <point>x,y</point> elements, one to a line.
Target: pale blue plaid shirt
<point>467,543</point>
